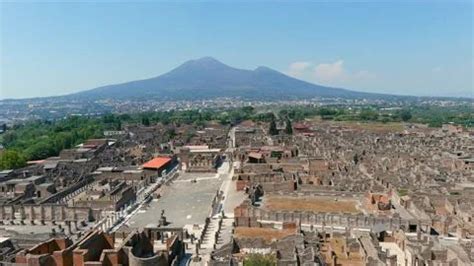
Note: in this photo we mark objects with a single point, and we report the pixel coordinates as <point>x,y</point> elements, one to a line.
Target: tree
<point>273,128</point>
<point>405,115</point>
<point>248,110</point>
<point>10,159</point>
<point>118,124</point>
<point>289,127</point>
<point>265,117</point>
<point>145,121</point>
<point>41,150</point>
<point>260,260</point>
<point>368,115</point>
<point>327,111</point>
<point>171,132</point>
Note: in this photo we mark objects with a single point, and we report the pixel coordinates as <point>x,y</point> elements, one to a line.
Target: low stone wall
<point>287,186</point>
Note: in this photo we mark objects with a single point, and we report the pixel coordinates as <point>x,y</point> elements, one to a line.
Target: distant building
<point>159,164</point>
<point>200,158</point>
<point>109,133</point>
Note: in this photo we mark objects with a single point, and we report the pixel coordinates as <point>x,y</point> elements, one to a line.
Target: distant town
<point>53,108</point>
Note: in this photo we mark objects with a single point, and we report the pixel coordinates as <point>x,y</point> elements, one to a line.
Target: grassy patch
<point>310,204</point>
<point>402,192</point>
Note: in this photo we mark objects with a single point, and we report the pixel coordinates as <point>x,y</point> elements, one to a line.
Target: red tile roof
<point>156,163</point>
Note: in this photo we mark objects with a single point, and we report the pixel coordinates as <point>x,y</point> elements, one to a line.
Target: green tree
<point>273,128</point>
<point>405,115</point>
<point>248,110</point>
<point>260,260</point>
<point>289,127</point>
<point>41,150</point>
<point>145,121</point>
<point>385,120</point>
<point>368,115</point>
<point>327,111</point>
<point>171,132</point>
<point>10,159</point>
<point>118,124</point>
<point>265,117</point>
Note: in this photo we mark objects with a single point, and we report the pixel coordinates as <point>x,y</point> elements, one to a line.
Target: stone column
<point>22,213</point>
<point>42,213</point>
<point>53,213</point>
<point>68,224</point>
<point>2,212</point>
<point>32,213</point>
<point>61,213</point>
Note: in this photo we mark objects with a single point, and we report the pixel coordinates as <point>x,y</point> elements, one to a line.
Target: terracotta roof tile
<point>156,163</point>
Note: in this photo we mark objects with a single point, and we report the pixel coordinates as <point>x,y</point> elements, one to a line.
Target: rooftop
<point>156,163</point>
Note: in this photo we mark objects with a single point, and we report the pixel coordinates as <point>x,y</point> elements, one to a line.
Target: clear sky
<point>422,48</point>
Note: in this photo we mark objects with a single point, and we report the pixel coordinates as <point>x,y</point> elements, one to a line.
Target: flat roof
<point>205,150</point>
<point>35,177</point>
<point>156,163</point>
<point>105,169</point>
<point>255,155</point>
<point>6,171</point>
<point>46,184</point>
<point>83,160</point>
<point>14,181</point>
<point>133,171</point>
<point>197,147</point>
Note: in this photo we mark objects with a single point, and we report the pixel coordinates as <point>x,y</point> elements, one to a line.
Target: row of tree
<point>41,139</point>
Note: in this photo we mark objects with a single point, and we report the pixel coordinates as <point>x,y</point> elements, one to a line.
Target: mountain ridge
<point>207,77</point>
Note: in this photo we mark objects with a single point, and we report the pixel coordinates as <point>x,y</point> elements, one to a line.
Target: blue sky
<point>422,48</point>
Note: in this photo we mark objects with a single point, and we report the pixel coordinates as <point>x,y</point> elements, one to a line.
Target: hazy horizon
<point>419,49</point>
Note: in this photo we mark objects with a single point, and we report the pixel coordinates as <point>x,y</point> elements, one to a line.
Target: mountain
<point>206,78</point>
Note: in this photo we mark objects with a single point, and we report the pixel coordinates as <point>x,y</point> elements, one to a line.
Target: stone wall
<point>73,189</point>
<point>52,252</point>
<point>156,260</point>
<point>45,213</point>
<point>250,216</point>
<point>90,248</point>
